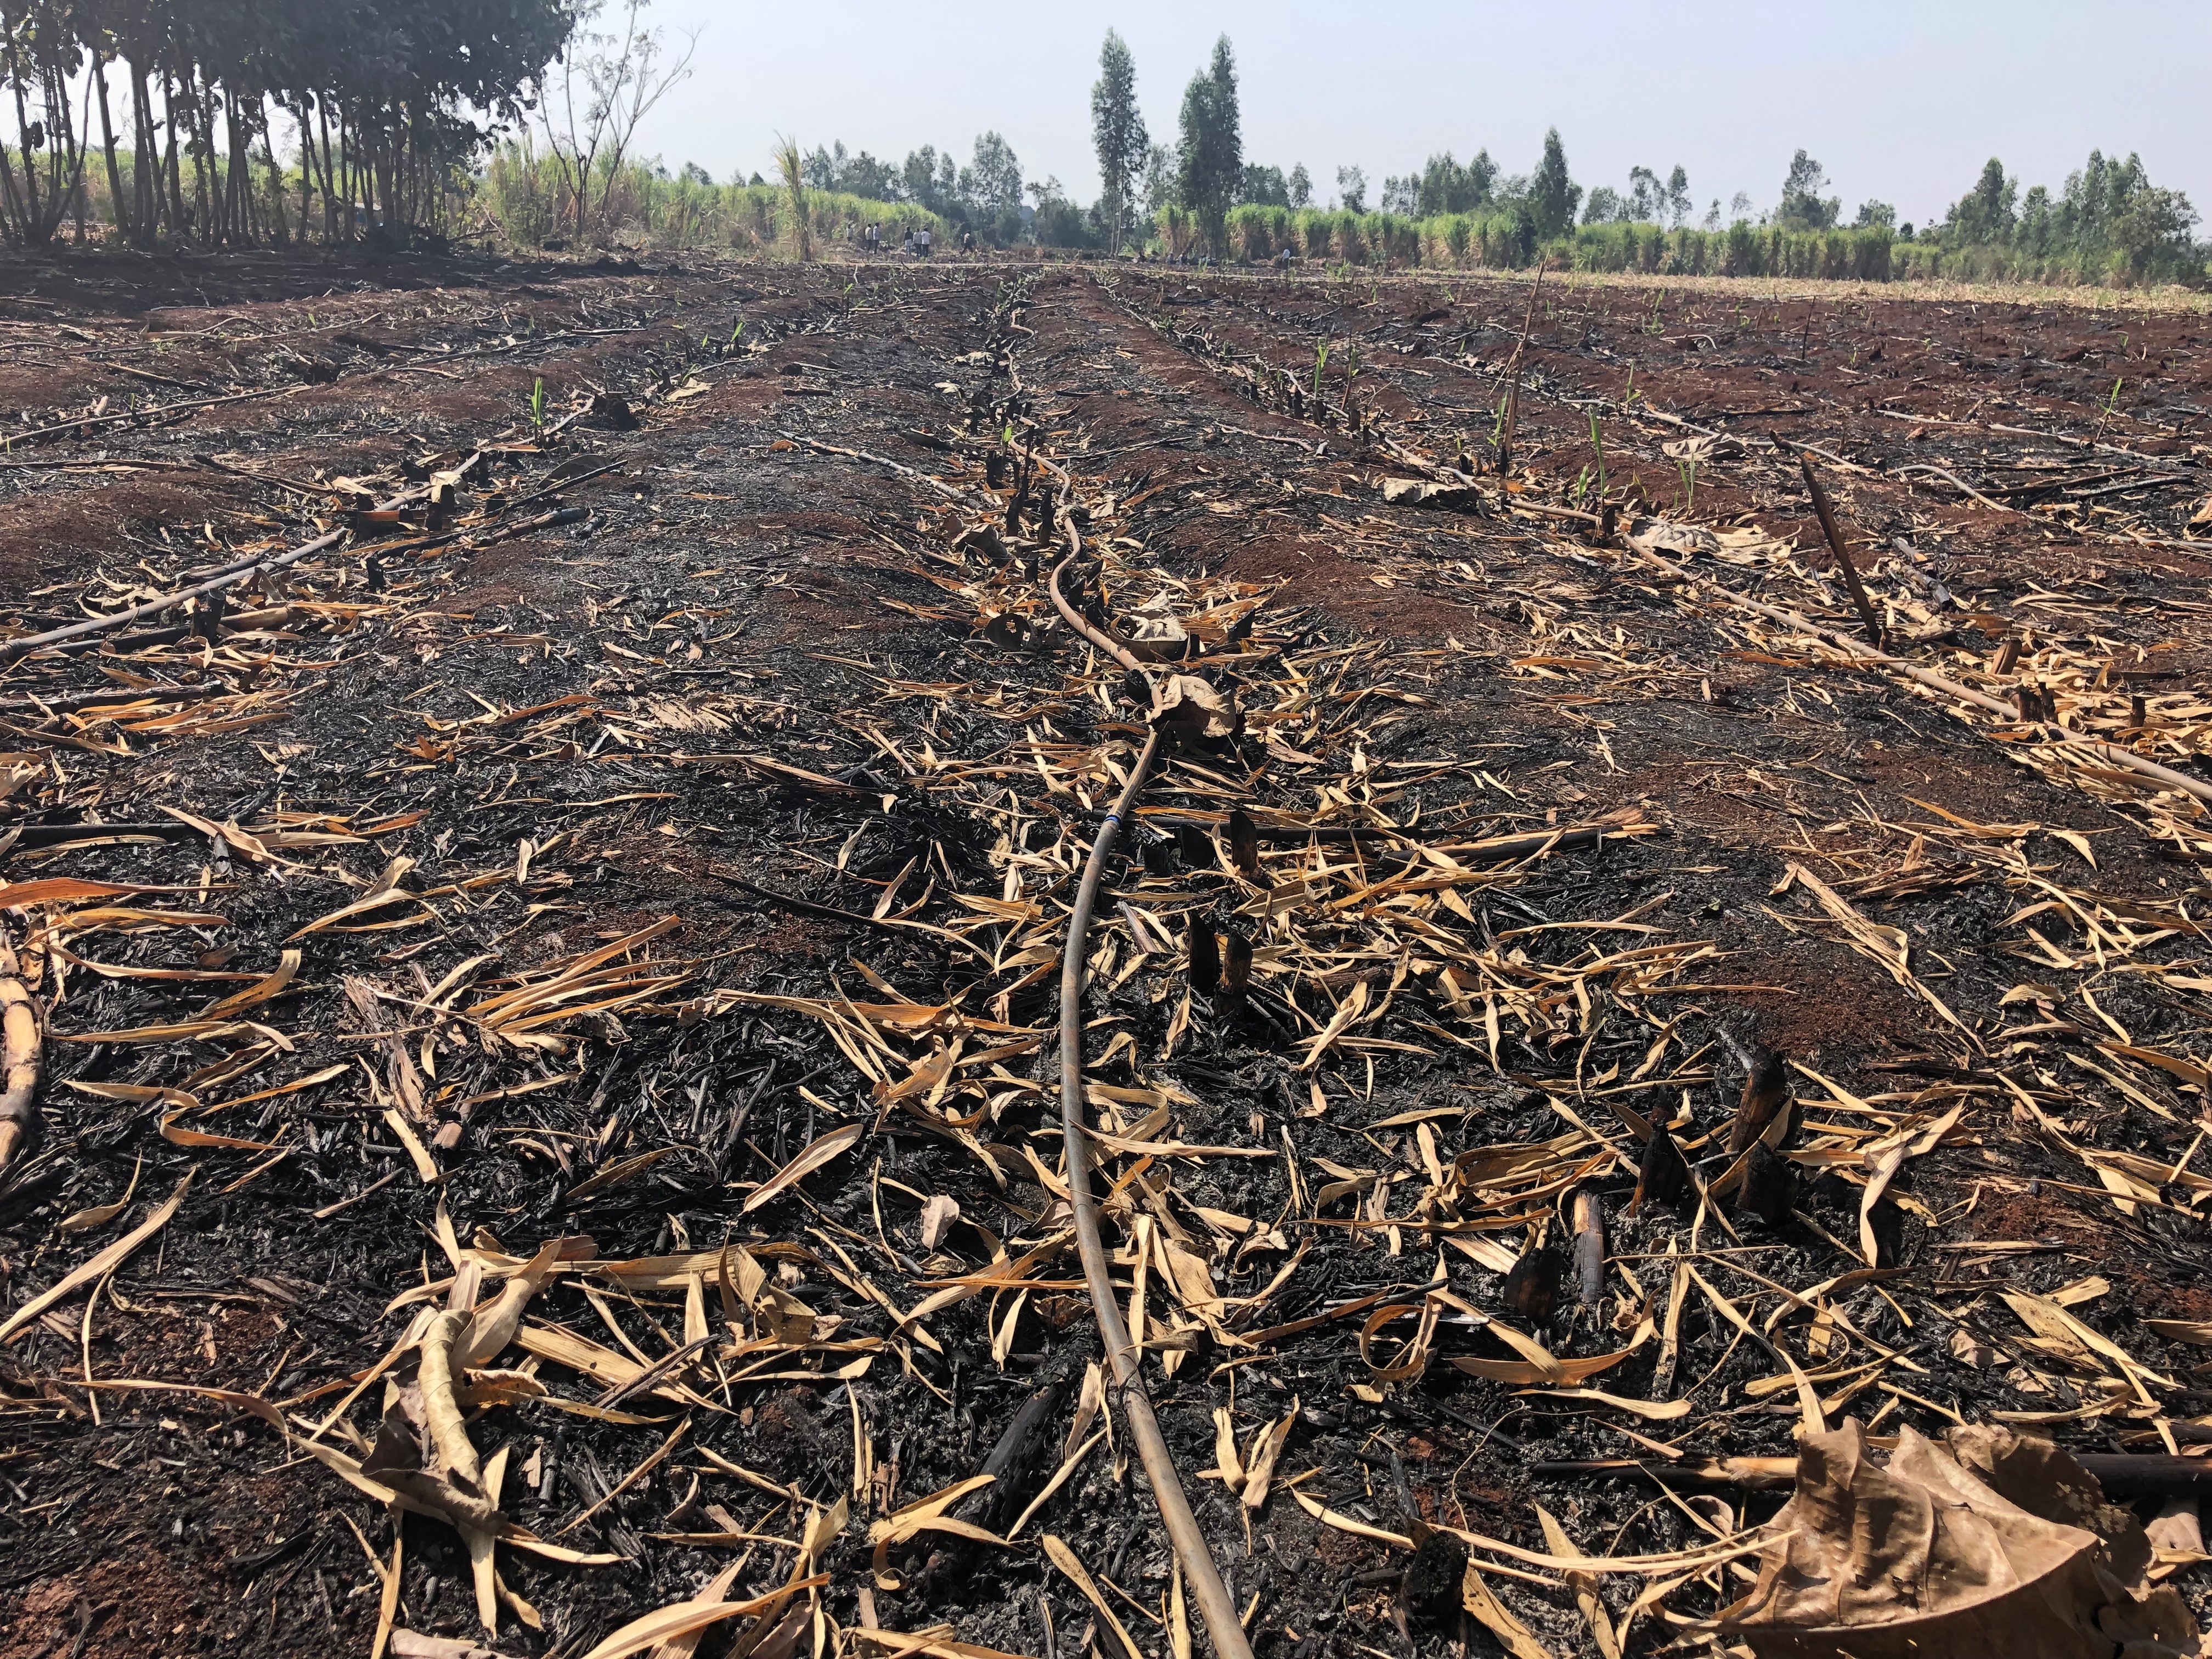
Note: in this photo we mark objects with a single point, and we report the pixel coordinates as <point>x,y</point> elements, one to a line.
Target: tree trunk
<point>107,148</point>
<point>179,226</point>
<point>11,204</point>
<point>347,162</point>
<point>223,167</point>
<point>78,138</point>
<point>145,161</point>
<point>386,165</point>
<point>306,166</point>
<point>205,203</point>
<point>30,207</point>
<point>329,177</point>
<point>284,230</point>
<point>238,176</point>
<point>200,223</point>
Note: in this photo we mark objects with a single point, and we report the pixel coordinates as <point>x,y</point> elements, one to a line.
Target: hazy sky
<point>1902,102</point>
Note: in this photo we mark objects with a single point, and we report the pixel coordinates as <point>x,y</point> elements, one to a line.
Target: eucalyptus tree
<point>1211,160</point>
<point>1117,133</point>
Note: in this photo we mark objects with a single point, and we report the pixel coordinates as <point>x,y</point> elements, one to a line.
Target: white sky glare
<point>1902,102</point>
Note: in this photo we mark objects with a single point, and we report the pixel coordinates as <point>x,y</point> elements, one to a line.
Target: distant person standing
<point>967,241</point>
<point>921,241</point>
<point>907,246</point>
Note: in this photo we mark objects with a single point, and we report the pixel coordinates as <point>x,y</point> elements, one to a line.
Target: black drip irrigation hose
<point>1216,1608</point>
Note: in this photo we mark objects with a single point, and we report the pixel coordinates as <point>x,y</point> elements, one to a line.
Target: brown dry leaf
<point>418,1154</point>
<point>602,1365</point>
<point>252,1403</point>
<point>1970,1350</point>
<point>1261,1456</point>
<point>1329,1517</point>
<point>618,1172</point>
<point>388,1603</point>
<point>667,1624</point>
<point>1065,1559</point>
<point>1348,1011</point>
<point>1190,708</point>
<point>1656,1410</point>
<point>413,1645</point>
<point>226,835</point>
<point>113,1255</point>
<point>926,1515</point>
<point>1226,1463</point>
<point>60,890</point>
<point>1925,1557</point>
<point>2047,1318</point>
<point>173,1131</point>
<point>1541,1366</point>
<point>1068,1466</point>
<point>360,907</point>
<point>2182,1330</point>
<point>288,969</point>
<point>204,1031</point>
<point>816,1153</point>
<point>493,1324</point>
<point>715,1590</point>
<point>1413,1359</point>
<point>1515,1637</point>
<point>1584,1587</point>
<point>1885,1166</point>
<point>100,1214</point>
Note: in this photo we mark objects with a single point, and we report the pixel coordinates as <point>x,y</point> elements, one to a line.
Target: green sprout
<point>1688,470</point>
<point>537,405</point>
<point>1628,397</point>
<point>1597,443</point>
<point>1320,361</point>
<point>738,330</point>
<point>2112,403</point>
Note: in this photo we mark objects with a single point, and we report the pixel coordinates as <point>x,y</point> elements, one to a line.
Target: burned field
<point>547,1003</point>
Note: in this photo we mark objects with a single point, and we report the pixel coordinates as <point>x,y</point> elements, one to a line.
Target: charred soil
<point>655,831</point>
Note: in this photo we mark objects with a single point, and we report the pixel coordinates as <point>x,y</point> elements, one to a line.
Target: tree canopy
<point>1802,206</point>
<point>2108,214</point>
<point>388,96</point>
<point>1552,194</point>
<point>1118,135</point>
<point>1211,160</point>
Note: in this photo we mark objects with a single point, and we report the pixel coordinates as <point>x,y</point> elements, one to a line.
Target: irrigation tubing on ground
<point>1223,1624</point>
